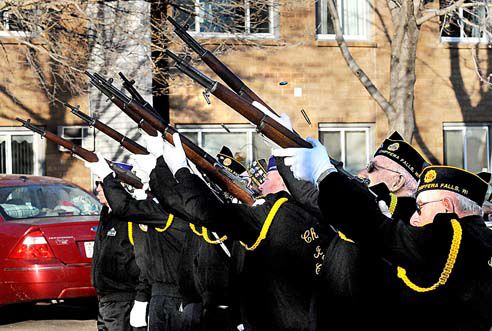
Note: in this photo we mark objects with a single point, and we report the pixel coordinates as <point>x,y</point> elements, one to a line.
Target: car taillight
<point>33,246</point>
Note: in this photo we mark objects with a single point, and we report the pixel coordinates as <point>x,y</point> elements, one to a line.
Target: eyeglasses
<point>372,166</point>
<point>419,206</point>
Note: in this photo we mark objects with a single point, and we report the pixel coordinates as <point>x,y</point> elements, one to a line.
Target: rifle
<point>204,161</point>
<point>125,175</point>
<point>124,141</point>
<point>217,66</point>
<point>264,123</point>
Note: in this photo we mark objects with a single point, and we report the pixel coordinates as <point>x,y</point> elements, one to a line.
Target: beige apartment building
<point>293,63</point>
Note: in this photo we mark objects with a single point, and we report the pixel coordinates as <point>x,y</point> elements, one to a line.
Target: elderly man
<point>443,258</point>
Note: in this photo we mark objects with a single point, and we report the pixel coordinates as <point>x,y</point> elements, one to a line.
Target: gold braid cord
<point>344,237</point>
<point>205,236</point>
<point>393,202</point>
<point>130,233</point>
<point>266,225</point>
<point>168,224</point>
<point>448,268</point>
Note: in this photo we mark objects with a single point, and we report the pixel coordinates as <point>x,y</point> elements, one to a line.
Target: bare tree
<point>407,18</point>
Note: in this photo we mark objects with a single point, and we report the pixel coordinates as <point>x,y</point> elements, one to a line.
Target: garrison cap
<point>272,164</point>
<point>227,159</point>
<point>398,150</point>
<point>453,179</point>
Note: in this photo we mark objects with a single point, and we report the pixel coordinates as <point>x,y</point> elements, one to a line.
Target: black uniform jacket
<point>278,273</point>
<point>114,270</point>
<point>464,301</point>
<point>162,248</point>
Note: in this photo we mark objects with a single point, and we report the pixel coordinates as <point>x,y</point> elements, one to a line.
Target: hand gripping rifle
<point>146,115</point>
<point>264,123</point>
<point>124,141</point>
<point>124,175</point>
<point>217,66</point>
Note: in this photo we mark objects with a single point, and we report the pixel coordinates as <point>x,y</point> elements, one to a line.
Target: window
<point>80,135</point>
<point>350,143</point>
<point>19,152</point>
<point>354,19</point>
<point>467,26</point>
<point>243,140</point>
<point>224,18</point>
<point>12,26</point>
<point>53,200</point>
<point>467,146</point>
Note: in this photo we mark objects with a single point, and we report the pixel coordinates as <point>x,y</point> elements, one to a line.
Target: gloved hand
<point>100,168</point>
<point>175,156</point>
<point>138,314</point>
<point>141,194</point>
<point>283,118</point>
<point>154,144</point>
<point>384,208</point>
<point>143,166</point>
<point>307,163</point>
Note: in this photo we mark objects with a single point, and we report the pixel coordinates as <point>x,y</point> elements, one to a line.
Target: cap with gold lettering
<point>226,158</point>
<point>455,180</point>
<point>398,150</point>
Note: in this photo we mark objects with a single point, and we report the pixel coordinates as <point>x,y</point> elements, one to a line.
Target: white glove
<point>175,156</point>
<point>307,163</point>
<point>143,166</point>
<point>100,168</point>
<point>283,119</point>
<point>154,144</point>
<point>141,194</point>
<point>138,314</point>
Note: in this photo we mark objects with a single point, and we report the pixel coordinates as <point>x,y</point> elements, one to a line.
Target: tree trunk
<point>402,70</point>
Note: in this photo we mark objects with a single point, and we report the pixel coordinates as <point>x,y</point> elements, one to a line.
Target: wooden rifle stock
<point>123,140</point>
<point>124,175</point>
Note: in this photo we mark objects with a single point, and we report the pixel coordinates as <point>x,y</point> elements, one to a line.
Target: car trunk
<point>70,238</point>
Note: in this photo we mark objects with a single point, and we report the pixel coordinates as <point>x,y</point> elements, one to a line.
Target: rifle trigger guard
<point>261,125</point>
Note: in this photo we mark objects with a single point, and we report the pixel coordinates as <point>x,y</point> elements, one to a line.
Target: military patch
<point>430,176</point>
<point>393,147</point>
<point>143,227</point>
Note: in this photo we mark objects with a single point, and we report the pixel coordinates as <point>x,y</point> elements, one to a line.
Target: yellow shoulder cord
<point>344,237</point>
<point>205,236</point>
<point>448,268</point>
<point>393,202</point>
<point>168,224</point>
<point>130,233</point>
<point>266,225</point>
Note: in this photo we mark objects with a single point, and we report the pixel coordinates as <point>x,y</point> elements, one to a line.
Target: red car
<point>47,232</point>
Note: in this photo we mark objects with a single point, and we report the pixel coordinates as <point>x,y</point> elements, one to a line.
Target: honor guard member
<point>278,234</point>
<point>114,270</point>
<point>161,249</point>
<point>442,258</point>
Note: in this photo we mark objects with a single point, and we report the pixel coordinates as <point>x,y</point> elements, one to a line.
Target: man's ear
<point>397,184</point>
<point>448,204</point>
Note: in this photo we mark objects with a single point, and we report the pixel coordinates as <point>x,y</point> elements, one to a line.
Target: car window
<point>53,200</point>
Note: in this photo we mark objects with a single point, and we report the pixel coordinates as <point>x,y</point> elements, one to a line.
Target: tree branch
<point>440,12</point>
<point>354,66</point>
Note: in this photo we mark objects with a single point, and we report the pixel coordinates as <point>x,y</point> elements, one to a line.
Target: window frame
<point>38,146</point>
<point>462,38</point>
<point>367,128</point>
<point>272,34</point>
<point>463,127</point>
<point>331,36</point>
<point>11,34</point>
<point>218,128</point>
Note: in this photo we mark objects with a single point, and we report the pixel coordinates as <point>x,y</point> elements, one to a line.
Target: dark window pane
<point>3,155</point>
<point>222,16</point>
<point>259,17</point>
<point>453,148</point>
<point>22,155</point>
<point>184,13</point>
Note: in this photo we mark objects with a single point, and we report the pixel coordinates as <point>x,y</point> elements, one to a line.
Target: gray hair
<point>467,206</point>
<point>411,183</point>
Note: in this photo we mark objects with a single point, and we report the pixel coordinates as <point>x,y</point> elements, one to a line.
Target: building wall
<point>447,88</point>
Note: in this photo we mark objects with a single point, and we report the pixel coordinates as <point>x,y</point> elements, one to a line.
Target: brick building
<point>296,46</point>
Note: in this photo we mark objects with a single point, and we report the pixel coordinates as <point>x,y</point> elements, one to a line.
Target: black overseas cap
<point>455,180</point>
<point>398,150</point>
<point>226,158</point>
